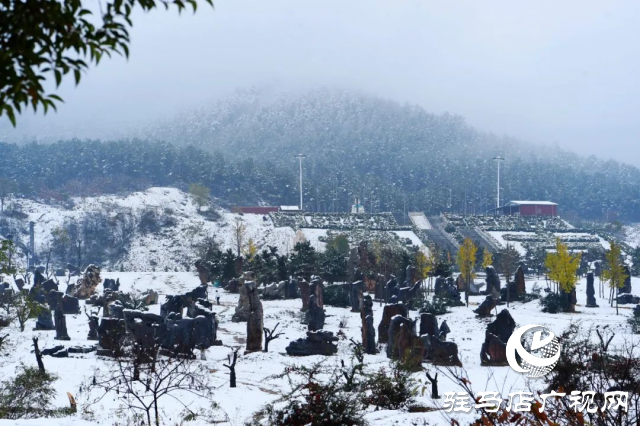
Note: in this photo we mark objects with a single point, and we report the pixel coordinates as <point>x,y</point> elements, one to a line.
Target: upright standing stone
<point>242,310</point>
<point>305,293</point>
<point>317,289</point>
<point>493,350</point>
<point>315,316</point>
<point>20,283</point>
<point>503,325</point>
<point>392,288</point>
<point>521,288</point>
<point>61,325</point>
<point>428,324</point>
<point>368,330</point>
<point>404,345</point>
<point>255,318</point>
<point>355,296</point>
<point>389,312</point>
<point>460,284</point>
<point>591,291</point>
<point>93,327</point>
<point>86,286</point>
<point>203,271</point>
<point>410,272</point>
<point>626,288</point>
<point>493,282</point>
<point>292,289</point>
<point>45,320</point>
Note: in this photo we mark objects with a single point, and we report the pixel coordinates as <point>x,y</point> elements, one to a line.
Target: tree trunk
<point>155,408</point>
<point>38,356</point>
<point>233,378</point>
<point>434,386</point>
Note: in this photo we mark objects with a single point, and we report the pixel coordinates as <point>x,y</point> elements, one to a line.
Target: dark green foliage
<point>137,165</point>
<point>304,260</point>
<point>435,153</point>
<point>553,303</point>
<point>132,301</point>
<point>28,395</point>
<point>336,295</point>
<point>52,38</point>
<point>634,323</point>
<point>333,264</point>
<point>314,401</point>
<point>390,389</point>
<point>265,266</point>
<point>435,307</point>
<point>635,256</point>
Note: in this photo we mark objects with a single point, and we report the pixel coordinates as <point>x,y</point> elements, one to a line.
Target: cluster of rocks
<point>447,291</point>
<point>316,343</point>
<point>407,292</point>
<point>282,290</point>
<point>411,348</point>
<point>169,331</point>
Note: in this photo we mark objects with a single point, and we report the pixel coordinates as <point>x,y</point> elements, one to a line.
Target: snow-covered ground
<point>172,247</point>
<point>419,220</point>
<point>256,388</point>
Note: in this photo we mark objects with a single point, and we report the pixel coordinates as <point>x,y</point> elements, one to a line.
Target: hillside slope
<point>380,150</point>
<point>171,243</point>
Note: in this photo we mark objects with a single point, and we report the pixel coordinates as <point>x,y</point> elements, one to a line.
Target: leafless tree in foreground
<point>140,378</point>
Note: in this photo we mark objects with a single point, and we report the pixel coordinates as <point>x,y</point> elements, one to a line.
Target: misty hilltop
<point>392,157</point>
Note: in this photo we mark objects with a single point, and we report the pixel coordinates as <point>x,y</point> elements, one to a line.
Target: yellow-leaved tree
<point>424,265</point>
<point>563,267</point>
<point>614,272</point>
<point>251,249</point>
<point>487,258</point>
<point>466,262</point>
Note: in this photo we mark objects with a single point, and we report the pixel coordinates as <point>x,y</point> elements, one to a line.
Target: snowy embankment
<point>255,385</point>
<point>182,232</point>
<point>170,248</point>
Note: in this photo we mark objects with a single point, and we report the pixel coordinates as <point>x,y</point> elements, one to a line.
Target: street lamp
<point>498,160</point>
<point>300,157</point>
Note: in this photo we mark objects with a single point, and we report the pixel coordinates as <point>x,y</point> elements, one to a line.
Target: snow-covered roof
<point>290,208</point>
<point>537,203</point>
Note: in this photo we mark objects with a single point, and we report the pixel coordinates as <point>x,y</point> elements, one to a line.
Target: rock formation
<point>254,318</point>
<point>317,343</point>
<point>591,291</point>
<point>389,312</point>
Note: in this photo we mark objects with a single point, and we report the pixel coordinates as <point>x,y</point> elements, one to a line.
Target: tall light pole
<point>300,157</point>
<point>498,160</point>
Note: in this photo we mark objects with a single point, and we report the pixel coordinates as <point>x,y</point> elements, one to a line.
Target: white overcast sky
<point>564,72</point>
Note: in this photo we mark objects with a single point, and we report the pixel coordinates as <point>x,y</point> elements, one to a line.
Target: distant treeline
<point>89,168</point>
<point>391,157</point>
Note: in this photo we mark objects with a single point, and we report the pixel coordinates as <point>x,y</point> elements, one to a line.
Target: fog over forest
<point>544,73</point>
